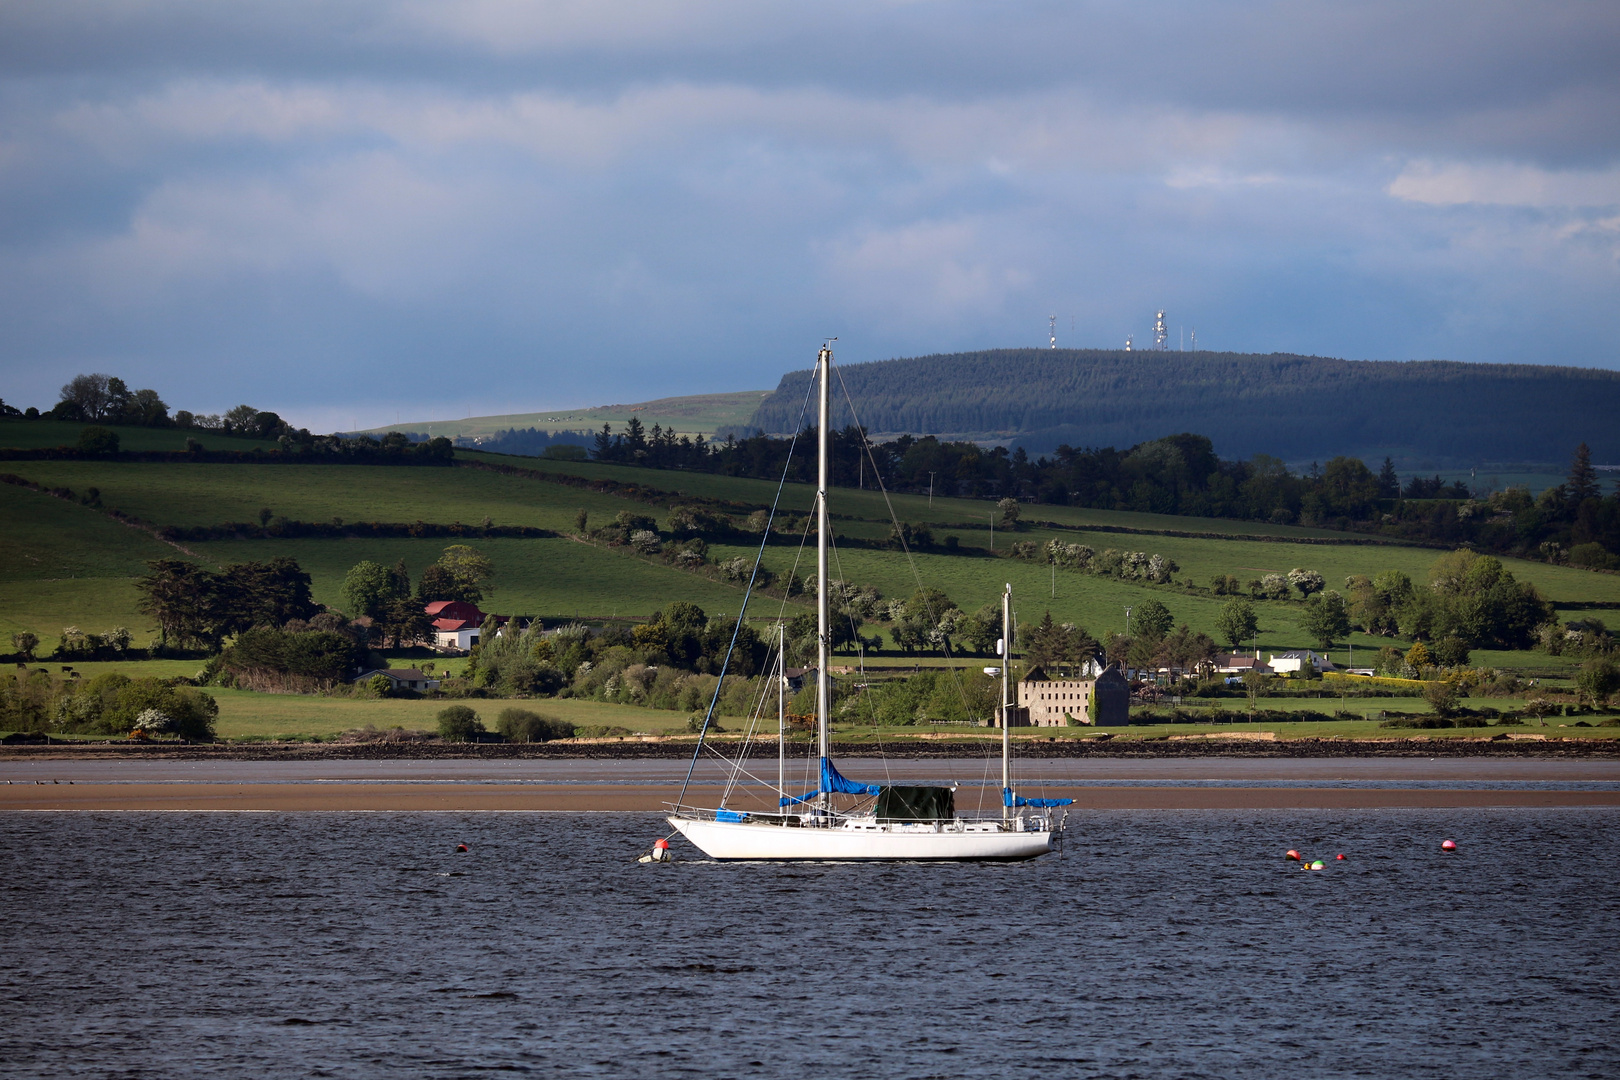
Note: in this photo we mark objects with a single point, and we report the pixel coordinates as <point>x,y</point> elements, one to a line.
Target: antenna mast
<point>1161,335</point>
<point>1051,329</point>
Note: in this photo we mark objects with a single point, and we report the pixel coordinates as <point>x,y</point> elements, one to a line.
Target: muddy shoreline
<point>1550,748</point>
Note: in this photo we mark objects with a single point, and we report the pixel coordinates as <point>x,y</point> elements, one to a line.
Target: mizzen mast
<point>1006,701</point>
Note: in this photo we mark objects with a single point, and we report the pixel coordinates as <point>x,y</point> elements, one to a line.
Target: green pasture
<point>554,578</point>
<point>694,414</point>
<point>244,714</point>
<point>1096,603</point>
<point>1201,559</point>
<point>47,538</point>
<point>1326,729</point>
<point>94,605</point>
<point>941,514</point>
<point>206,494</point>
<point>68,564</point>
<point>249,715</point>
<point>46,434</point>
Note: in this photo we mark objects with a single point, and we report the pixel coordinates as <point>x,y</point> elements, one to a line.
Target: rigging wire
<point>742,613</point>
<point>911,562</point>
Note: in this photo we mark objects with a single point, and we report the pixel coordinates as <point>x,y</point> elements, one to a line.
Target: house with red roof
<point>456,624</point>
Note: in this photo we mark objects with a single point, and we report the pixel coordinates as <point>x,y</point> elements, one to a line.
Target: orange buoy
<point>1292,855</point>
<point>1449,845</point>
<point>661,843</point>
<point>462,847</point>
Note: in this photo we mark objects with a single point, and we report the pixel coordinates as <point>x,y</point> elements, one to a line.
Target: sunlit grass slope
<point>68,564</point>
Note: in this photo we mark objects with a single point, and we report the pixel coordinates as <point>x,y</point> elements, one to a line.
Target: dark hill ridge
<point>1293,407</point>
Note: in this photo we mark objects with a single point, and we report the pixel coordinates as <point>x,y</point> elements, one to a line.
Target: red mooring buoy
<point>1338,856</point>
<point>1292,855</point>
<point>462,847</point>
<point>1449,845</point>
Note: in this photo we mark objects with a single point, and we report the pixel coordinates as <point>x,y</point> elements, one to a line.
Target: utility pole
<point>930,489</point>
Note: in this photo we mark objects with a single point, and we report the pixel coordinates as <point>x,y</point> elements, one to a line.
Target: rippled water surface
<point>1161,944</point>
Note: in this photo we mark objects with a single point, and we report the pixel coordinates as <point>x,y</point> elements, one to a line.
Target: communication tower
<point>1127,343</point>
<point>1161,334</point>
<point>1051,329</point>
<point>1194,336</point>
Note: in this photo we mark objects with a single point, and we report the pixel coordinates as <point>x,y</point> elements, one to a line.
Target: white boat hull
<point>727,840</point>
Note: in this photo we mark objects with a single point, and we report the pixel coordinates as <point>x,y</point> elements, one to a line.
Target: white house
<point>1292,662</point>
<point>456,624</point>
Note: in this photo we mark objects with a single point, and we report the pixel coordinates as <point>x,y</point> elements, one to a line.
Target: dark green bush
<point>1417,722</point>
<point>110,703</point>
<point>98,440</point>
<point>521,725</point>
<point>458,723</point>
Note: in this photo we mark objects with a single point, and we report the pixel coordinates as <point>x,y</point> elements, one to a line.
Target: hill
<point>698,414</point>
<point>75,561</point>
<point>75,564</point>
<point>1430,413</point>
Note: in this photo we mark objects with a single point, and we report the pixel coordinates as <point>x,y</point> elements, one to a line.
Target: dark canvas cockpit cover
<point>916,804</point>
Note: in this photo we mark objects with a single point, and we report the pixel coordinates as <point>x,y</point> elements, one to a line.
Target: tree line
<point>99,400</point>
<point>1180,475</point>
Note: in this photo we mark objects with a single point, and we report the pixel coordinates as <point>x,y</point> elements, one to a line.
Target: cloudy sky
<point>344,211</point>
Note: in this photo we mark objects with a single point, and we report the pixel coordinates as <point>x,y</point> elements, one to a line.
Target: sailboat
<point>844,819</point>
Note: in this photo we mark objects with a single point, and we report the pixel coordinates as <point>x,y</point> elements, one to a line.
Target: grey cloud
<point>1452,70</point>
<point>317,204</point>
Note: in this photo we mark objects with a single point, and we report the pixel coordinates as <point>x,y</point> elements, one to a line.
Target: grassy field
<point>47,539</point>
<point>554,578</point>
<point>41,434</point>
<point>244,714</point>
<point>204,494</point>
<point>940,513</point>
<point>69,564</point>
<point>248,715</point>
<point>698,414</point>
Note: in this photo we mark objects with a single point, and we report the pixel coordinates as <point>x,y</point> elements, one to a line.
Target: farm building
<point>456,624</point>
<point>1053,702</point>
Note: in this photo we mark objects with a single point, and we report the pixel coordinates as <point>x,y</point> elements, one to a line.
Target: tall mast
<point>781,708</point>
<point>1006,701</point>
<point>823,622</point>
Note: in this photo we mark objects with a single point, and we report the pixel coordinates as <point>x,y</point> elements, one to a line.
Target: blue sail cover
<point>832,783</point>
<point>1009,799</point>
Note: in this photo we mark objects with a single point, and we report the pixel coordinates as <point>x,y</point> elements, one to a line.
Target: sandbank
<point>461,797</point>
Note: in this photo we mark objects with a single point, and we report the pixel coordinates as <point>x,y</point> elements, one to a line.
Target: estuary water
<point>1160,944</point>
